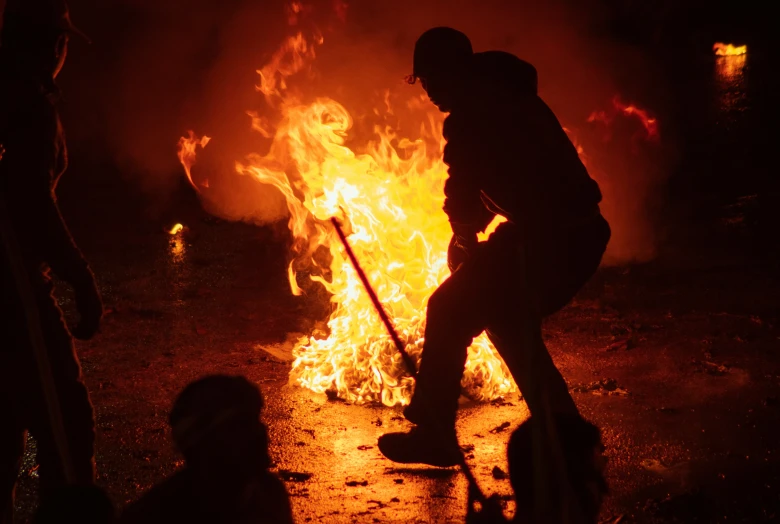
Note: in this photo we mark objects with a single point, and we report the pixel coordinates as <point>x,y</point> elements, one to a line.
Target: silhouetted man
<point>216,427</point>
<point>41,387</point>
<point>507,155</point>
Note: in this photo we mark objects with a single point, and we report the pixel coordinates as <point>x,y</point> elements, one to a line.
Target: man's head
<point>582,450</point>
<point>216,426</point>
<point>36,34</point>
<point>441,63</point>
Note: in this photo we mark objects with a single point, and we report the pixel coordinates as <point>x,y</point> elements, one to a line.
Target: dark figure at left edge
<point>41,384</point>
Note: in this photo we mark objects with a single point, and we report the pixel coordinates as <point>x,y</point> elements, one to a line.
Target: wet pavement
<point>676,360</point>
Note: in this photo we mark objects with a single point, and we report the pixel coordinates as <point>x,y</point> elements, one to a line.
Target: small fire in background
<point>648,133</point>
<point>730,75</point>
<point>722,49</point>
<point>177,243</point>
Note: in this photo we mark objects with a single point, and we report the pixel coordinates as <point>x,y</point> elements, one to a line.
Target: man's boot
<point>422,445</point>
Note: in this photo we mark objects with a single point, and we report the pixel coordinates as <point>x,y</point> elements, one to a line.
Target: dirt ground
<point>676,360</point>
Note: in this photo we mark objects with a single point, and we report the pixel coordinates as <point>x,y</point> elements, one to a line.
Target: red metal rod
<point>375,300</point>
<point>474,489</point>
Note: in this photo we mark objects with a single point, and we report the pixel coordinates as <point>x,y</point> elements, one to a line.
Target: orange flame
<point>176,229</point>
<point>649,123</point>
<point>187,154</point>
<point>722,49</point>
<point>292,57</point>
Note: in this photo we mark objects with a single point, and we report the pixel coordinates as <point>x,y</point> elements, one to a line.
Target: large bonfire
<point>389,195</point>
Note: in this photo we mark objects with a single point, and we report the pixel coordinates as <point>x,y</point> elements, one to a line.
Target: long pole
<point>472,481</point>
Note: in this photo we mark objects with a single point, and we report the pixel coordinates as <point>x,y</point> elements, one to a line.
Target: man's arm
<point>463,196</point>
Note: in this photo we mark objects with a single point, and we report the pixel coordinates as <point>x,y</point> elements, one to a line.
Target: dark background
<point>156,69</point>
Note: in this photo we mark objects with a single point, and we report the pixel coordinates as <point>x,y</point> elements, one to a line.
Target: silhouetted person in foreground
<point>216,427</point>
<point>41,386</point>
<point>583,461</point>
<point>507,155</point>
<point>582,448</point>
<point>77,504</point>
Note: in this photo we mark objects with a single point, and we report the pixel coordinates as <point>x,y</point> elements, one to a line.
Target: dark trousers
<point>23,406</point>
<point>505,288</point>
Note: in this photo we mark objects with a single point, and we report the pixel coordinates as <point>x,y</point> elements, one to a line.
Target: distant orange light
<point>722,49</point>
<point>175,230</point>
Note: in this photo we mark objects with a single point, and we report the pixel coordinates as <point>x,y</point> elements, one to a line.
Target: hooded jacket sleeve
<point>467,161</point>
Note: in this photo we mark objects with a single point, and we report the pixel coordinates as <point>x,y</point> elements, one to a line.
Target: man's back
<point>506,143</point>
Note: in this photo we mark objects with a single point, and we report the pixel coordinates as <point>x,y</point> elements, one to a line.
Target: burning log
<point>722,49</point>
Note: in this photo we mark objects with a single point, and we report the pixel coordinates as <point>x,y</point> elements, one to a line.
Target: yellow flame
<point>177,228</point>
<point>389,195</point>
<point>722,49</point>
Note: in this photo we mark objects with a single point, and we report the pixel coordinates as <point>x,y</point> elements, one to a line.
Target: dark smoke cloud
<point>157,69</point>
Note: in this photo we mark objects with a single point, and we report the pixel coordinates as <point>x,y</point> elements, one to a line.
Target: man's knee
<point>454,297</point>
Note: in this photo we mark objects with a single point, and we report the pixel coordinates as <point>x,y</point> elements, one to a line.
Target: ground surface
<point>677,360</point>
<point>692,349</point>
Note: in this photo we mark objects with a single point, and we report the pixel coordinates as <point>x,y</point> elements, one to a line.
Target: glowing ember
<point>729,49</point>
<point>187,153</point>
<point>649,123</point>
<point>176,229</point>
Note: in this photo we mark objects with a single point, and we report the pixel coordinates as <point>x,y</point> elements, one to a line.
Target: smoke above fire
<point>169,67</point>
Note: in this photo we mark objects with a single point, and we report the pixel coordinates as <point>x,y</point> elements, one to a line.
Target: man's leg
<point>454,317</point>
<point>519,341</point>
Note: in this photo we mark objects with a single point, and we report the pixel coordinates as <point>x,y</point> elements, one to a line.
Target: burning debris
<point>722,49</point>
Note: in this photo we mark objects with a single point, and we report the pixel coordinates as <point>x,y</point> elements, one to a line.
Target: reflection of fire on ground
<point>730,74</point>
<point>731,60</point>
<point>389,193</point>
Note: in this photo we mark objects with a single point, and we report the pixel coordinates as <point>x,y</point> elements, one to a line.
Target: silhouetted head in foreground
<point>216,426</point>
<point>582,450</point>
<point>441,64</point>
<point>82,504</point>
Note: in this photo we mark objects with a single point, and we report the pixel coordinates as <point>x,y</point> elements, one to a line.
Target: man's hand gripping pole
<point>474,489</point>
